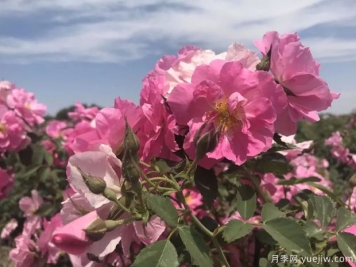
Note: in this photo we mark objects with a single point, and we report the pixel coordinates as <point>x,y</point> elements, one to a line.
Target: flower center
<point>226,119</point>
<point>27,105</point>
<point>2,128</point>
<point>188,199</point>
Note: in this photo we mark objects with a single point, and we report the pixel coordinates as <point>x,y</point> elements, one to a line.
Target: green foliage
<point>246,201</point>
<point>270,211</point>
<point>159,254</point>
<point>34,169</point>
<point>236,229</point>
<point>164,208</point>
<point>289,234</point>
<point>295,225</point>
<point>196,246</point>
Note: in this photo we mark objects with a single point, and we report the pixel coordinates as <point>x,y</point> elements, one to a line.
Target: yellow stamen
<point>226,119</point>
<point>2,128</point>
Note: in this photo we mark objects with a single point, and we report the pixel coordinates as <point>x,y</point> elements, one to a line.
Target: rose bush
<point>205,171</point>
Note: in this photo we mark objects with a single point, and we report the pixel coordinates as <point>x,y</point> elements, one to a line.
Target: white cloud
<point>125,30</point>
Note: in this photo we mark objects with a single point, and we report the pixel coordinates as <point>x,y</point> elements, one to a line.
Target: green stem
<point>145,164</point>
<point>123,207</point>
<point>221,253</point>
<point>192,167</point>
<point>167,180</point>
<point>205,231</point>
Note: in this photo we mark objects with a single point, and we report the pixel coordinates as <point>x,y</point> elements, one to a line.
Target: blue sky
<point>96,50</point>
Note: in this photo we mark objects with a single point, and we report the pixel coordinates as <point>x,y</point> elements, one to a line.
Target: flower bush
<point>210,169</point>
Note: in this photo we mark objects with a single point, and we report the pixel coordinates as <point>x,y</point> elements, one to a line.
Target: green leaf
<point>236,229</point>
<point>265,238</point>
<point>29,171</point>
<point>196,246</point>
<point>324,209</point>
<point>164,208</point>
<point>347,244</point>
<point>38,154</point>
<point>273,163</point>
<point>44,173</point>
<point>289,235</point>
<point>328,193</point>
<point>158,254</point>
<point>163,166</point>
<point>293,180</point>
<point>270,211</point>
<point>48,158</point>
<point>207,184</point>
<point>345,218</point>
<point>311,229</point>
<point>245,201</point>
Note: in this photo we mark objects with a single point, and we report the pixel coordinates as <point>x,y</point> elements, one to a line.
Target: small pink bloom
<point>45,246</point>
<point>12,131</point>
<point>5,89</point>
<point>26,106</point>
<point>295,69</point>
<point>157,132</point>
<point>9,228</point>
<point>110,126</point>
<point>29,205</point>
<point>54,128</point>
<point>82,113</point>
<point>6,182</point>
<point>71,134</point>
<point>24,253</point>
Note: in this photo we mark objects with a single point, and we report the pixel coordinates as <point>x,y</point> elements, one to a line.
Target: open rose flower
<point>294,68</point>
<point>241,103</point>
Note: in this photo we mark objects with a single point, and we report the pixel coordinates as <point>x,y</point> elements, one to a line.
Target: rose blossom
<point>240,102</point>
<point>295,69</point>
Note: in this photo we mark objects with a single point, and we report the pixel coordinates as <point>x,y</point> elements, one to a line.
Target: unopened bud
<point>199,132</point>
<point>131,142</point>
<point>112,224</point>
<point>96,185</point>
<point>352,180</point>
<point>207,143</point>
<point>110,194</point>
<point>130,169</point>
<point>265,63</point>
<point>96,230</point>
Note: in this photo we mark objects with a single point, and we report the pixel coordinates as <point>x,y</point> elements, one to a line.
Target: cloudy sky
<point>96,50</point>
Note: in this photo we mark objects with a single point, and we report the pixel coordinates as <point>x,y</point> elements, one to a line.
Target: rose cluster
<point>200,115</point>
<point>229,105</point>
